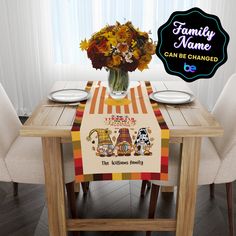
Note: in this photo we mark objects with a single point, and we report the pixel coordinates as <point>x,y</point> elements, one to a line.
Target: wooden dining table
<point>187,123</point>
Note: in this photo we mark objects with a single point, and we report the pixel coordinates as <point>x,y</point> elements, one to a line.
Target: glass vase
<point>118,81</point>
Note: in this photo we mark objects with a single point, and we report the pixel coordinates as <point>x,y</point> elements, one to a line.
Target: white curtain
<point>74,20</point>
<point>39,42</point>
<point>208,90</point>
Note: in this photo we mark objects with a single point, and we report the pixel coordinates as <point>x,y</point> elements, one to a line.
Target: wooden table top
<point>52,119</point>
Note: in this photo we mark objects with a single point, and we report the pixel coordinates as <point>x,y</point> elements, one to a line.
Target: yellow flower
<point>113,41</point>
<point>136,53</point>
<point>107,34</point>
<point>110,36</point>
<point>133,43</point>
<point>84,45</point>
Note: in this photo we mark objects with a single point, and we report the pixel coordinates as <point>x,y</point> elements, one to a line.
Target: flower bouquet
<point>120,48</point>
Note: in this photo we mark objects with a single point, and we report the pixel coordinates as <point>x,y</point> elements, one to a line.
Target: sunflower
<point>84,45</point>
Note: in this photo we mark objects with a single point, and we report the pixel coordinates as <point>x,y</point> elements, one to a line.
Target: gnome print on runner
<point>124,143</point>
<point>105,146</point>
<point>142,144</point>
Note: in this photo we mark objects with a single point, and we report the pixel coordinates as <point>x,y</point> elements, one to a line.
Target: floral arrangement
<point>119,46</point>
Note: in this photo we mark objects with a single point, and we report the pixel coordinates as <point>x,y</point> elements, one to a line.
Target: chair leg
<point>212,190</point>
<point>15,189</point>
<point>85,187</point>
<point>153,203</point>
<point>71,199</point>
<point>143,187</point>
<point>149,185</point>
<point>88,185</point>
<point>77,189</point>
<point>229,192</point>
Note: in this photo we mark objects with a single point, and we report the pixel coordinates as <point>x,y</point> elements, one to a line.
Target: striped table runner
<point>117,140</point>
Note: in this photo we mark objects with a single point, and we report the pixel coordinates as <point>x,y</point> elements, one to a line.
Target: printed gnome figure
<point>124,143</point>
<point>142,143</point>
<point>105,146</point>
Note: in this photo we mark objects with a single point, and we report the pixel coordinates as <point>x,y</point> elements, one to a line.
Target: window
<point>74,20</point>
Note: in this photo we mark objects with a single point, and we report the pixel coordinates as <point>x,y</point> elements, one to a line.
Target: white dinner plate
<point>69,95</point>
<point>172,97</point>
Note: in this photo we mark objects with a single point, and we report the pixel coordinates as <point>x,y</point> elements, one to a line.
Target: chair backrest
<point>225,112</point>
<point>9,123</point>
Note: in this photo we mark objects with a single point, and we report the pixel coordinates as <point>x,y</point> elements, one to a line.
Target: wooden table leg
<point>54,182</point>
<point>77,187</point>
<point>188,186</point>
<point>167,189</point>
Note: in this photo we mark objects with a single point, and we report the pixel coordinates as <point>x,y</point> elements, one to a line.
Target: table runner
<point>117,140</point>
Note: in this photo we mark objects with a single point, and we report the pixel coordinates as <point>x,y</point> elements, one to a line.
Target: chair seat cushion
<point>4,175</point>
<point>208,167</point>
<point>24,161</point>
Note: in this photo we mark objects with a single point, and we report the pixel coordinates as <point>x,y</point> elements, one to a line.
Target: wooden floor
<point>26,214</point>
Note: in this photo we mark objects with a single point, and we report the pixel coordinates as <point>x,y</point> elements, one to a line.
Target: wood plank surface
<point>46,131</point>
<point>186,120</point>
<point>67,117</point>
<point>176,116</point>
<point>191,117</point>
<point>121,225</point>
<point>53,116</point>
<point>166,115</point>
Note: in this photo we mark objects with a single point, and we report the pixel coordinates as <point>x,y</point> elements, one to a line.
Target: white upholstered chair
<point>21,157</point>
<point>218,154</point>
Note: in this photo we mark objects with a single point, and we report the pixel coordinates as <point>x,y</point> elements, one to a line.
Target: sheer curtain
<point>39,42</point>
<point>208,91</point>
<point>75,20</point>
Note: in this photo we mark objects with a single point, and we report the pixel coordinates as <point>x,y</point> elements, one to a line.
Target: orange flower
<point>150,48</point>
<point>103,46</point>
<point>123,34</point>
<point>116,59</point>
<point>122,47</point>
<point>143,62</point>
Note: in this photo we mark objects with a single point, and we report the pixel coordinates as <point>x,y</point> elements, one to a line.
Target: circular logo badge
<point>192,44</point>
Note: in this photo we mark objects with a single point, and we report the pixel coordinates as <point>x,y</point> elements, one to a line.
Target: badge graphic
<point>192,44</point>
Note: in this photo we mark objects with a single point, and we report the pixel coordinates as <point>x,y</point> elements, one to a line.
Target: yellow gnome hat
<point>103,136</point>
